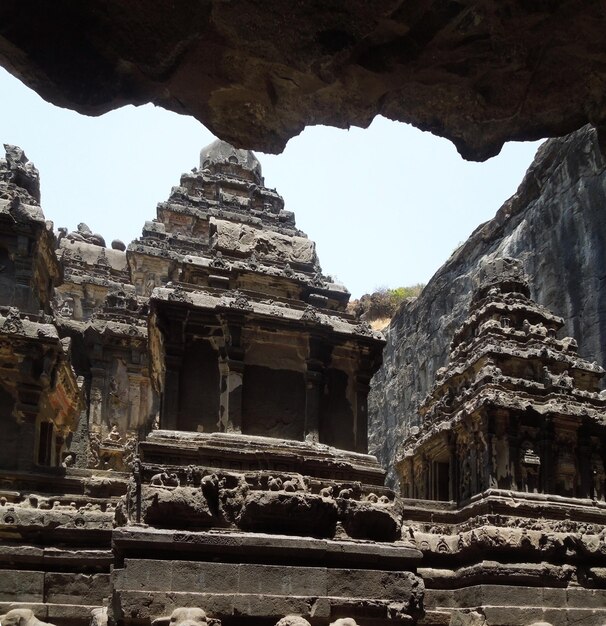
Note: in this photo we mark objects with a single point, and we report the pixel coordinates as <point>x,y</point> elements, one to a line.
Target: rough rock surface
<point>476,72</point>
<point>243,240</point>
<point>555,223</point>
<point>19,175</point>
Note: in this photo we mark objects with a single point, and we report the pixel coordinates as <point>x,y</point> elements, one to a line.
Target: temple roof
<point>504,273</point>
<point>222,153</point>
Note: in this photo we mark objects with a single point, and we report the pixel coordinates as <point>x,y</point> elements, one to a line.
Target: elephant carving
<point>186,617</point>
<point>21,617</point>
<point>293,620</point>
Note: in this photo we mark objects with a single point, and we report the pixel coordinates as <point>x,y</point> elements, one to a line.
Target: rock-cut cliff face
<point>555,223</point>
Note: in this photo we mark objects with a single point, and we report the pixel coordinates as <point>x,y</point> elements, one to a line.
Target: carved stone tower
<point>516,408</point>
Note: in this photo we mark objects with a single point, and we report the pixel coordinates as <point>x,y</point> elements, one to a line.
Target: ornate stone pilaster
<point>231,369</point>
<point>169,411</point>
<point>361,413</point>
<point>232,381</point>
<point>453,468</point>
<point>547,455</point>
<point>314,381</point>
<point>97,393</point>
<point>585,482</point>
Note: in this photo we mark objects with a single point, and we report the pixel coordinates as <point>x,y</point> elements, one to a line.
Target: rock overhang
<point>478,73</point>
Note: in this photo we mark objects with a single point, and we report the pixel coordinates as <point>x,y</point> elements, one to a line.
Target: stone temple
<point>184,433</point>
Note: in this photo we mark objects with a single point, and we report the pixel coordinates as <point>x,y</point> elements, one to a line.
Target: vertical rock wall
<point>555,223</point>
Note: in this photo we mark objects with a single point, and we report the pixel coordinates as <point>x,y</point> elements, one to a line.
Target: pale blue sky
<point>386,205</point>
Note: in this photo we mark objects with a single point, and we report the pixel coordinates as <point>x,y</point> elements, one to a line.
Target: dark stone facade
<point>186,424</point>
<point>556,224</point>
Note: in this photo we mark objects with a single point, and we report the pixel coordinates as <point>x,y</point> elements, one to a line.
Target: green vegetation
<point>384,302</point>
<point>400,294</point>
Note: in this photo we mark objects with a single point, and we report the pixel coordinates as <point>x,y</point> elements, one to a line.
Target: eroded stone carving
<point>186,617</point>
<point>498,416</point>
<point>21,617</point>
<point>293,620</point>
<point>252,470</point>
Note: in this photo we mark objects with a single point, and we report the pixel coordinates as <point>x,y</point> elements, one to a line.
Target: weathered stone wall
<point>555,223</point>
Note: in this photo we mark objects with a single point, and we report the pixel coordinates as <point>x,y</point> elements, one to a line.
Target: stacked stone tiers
<point>255,528</point>
<point>512,558</point>
<point>280,311</point>
<point>240,577</point>
<point>515,408</point>
<point>56,530</point>
<point>217,451</point>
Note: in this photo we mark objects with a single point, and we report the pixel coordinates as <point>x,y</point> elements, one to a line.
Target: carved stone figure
<point>21,617</point>
<point>99,616</point>
<point>165,479</point>
<point>184,617</point>
<point>85,234</point>
<point>94,446</point>
<point>114,435</point>
<point>69,460</point>
<point>293,620</point>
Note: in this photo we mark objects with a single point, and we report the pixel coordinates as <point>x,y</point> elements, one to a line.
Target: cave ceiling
<point>256,73</point>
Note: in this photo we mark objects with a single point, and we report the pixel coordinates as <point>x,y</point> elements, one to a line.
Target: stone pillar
<point>231,368</point>
<point>585,482</point>
<point>361,413</point>
<point>169,411</point>
<point>411,478</point>
<point>97,394</point>
<point>490,473</point>
<point>547,455</point>
<point>313,392</point>
<point>27,407</point>
<point>25,291</point>
<point>453,468</point>
<point>366,366</point>
<point>232,381</point>
<point>134,418</point>
<point>424,477</point>
<point>475,456</point>
<point>314,381</point>
<point>514,453</point>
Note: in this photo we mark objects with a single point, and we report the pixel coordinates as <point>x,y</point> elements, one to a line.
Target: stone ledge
<point>263,548</point>
<point>136,606</point>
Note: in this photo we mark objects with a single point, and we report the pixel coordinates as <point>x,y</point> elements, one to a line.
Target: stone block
<point>375,584</point>
<point>440,598</point>
<point>69,588</point>
<point>513,615</point>
<point>275,606</point>
<point>586,598</point>
<point>240,239</point>
<point>144,574</point>
<point>283,580</point>
<point>286,513</point>
<point>21,586</point>
<point>200,577</point>
<point>180,507</point>
<point>363,520</point>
